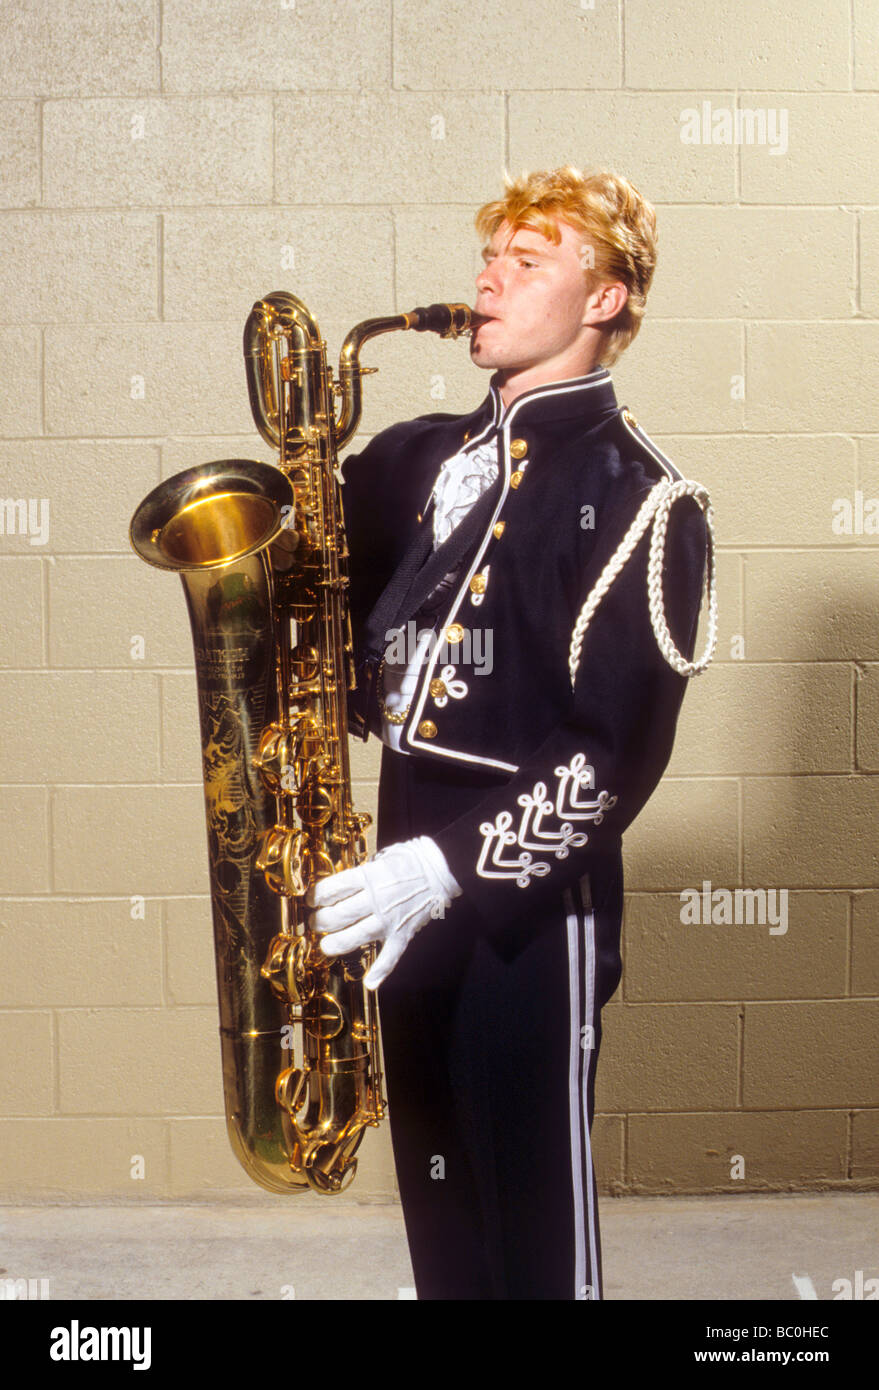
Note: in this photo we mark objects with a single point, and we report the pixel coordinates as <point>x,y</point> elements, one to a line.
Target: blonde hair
<point>617,224</point>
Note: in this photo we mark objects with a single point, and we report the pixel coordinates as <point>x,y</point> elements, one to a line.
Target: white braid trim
<point>655,509</point>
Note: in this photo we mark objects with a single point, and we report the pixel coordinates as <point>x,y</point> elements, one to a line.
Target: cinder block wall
<point>166,162</point>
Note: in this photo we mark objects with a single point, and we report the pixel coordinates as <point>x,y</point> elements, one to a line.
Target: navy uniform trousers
<point>490,1046</point>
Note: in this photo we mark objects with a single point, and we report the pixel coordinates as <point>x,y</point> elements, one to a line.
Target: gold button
<point>437,688</point>
<point>466,436</point>
<point>455,633</point>
<point>629,418</point>
<point>499,529</point>
<point>518,448</point>
<point>477,584</point>
<point>427,728</point>
<point>419,518</point>
<point>516,478</point>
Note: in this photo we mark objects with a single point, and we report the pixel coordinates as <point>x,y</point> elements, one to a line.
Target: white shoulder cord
<point>656,508</point>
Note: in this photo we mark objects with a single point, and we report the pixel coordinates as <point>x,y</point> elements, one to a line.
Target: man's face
<point>534,294</point>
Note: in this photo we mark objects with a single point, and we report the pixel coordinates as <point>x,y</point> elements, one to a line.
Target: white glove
<point>388,899</point>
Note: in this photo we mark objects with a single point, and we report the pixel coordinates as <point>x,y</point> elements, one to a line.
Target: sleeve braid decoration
<point>655,510</point>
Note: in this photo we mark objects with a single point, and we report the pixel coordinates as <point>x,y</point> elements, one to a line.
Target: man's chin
<point>481,359</point>
<point>490,363</point>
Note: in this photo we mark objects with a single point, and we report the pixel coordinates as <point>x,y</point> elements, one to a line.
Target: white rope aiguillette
<point>655,509</point>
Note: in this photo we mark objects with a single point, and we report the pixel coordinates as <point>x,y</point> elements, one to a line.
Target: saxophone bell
<point>212,515</point>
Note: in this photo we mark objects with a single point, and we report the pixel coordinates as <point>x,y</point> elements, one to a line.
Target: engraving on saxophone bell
<point>216,662</point>
<point>261,552</point>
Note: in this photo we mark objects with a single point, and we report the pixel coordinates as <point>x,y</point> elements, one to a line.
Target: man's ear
<point>605,302</point>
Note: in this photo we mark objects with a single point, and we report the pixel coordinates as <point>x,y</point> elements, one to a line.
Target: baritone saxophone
<point>261,552</point>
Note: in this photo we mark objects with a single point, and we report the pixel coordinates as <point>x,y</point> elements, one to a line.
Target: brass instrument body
<point>261,554</point>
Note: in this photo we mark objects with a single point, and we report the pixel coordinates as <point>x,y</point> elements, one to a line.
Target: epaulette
<point>632,430</point>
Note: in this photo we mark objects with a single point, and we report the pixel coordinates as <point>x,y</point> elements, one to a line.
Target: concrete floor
<point>680,1248</point>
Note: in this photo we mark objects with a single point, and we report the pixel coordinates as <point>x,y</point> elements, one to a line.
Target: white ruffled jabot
<point>461,482</point>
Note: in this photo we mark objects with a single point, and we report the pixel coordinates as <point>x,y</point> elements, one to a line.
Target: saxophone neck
<point>351,372</point>
<point>448,320</point>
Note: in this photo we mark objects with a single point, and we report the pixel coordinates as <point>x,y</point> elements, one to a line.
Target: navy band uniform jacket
<point>566,770</point>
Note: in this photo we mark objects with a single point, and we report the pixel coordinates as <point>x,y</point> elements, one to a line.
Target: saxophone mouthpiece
<point>448,320</point>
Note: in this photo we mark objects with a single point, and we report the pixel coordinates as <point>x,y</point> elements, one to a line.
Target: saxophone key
<point>314,803</point>
<point>323,1017</point>
<point>290,1091</point>
<point>283,858</point>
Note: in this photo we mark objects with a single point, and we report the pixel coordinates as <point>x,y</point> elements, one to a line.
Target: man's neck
<point>513,384</point>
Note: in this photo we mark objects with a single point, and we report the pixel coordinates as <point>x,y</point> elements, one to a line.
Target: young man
<point>520,742</point>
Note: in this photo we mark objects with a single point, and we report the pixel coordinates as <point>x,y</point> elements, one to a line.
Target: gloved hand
<point>387,899</point>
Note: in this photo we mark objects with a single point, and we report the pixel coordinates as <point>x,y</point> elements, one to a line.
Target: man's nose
<point>487,279</point>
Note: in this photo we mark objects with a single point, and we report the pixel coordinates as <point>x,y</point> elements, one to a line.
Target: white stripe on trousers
<point>580,1061</point>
